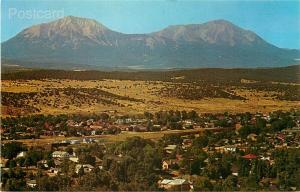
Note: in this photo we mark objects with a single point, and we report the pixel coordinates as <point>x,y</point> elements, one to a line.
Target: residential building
<point>60,154</point>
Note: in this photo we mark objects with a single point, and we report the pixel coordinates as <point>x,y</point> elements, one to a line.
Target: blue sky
<point>278,22</point>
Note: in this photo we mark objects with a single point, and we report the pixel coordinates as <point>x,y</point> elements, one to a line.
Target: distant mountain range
<point>73,42</point>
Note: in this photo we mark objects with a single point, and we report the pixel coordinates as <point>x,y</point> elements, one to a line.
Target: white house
<point>31,183</point>
<point>74,159</point>
<point>72,142</point>
<point>167,164</point>
<point>175,184</point>
<point>170,148</point>
<point>88,140</point>
<point>86,168</point>
<point>22,154</point>
<point>230,148</point>
<point>60,154</point>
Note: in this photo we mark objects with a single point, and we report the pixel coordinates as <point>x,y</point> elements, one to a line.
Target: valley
<point>128,93</point>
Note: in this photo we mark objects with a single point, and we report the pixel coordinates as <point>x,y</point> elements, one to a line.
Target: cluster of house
<point>59,157</point>
<point>287,138</point>
<point>170,166</point>
<point>98,127</point>
<point>91,127</point>
<point>284,139</point>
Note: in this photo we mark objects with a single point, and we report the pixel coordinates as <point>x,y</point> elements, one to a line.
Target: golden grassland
<point>148,92</point>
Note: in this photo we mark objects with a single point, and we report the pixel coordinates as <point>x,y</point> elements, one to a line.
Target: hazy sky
<point>278,22</point>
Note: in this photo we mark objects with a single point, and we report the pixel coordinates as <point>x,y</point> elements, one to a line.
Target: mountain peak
<point>212,32</point>
<point>69,31</point>
<point>78,20</point>
<point>79,24</point>
<point>221,21</point>
<point>71,17</point>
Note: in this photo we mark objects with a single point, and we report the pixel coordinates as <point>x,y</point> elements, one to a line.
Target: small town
<point>187,151</point>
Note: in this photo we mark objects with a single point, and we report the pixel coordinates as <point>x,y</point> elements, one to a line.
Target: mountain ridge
<point>86,41</point>
<point>215,27</point>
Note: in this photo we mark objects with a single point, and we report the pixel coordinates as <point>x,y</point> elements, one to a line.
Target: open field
<point>203,90</point>
<point>52,96</point>
<point>48,140</point>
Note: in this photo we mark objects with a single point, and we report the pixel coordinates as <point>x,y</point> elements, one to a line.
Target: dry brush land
<point>56,96</point>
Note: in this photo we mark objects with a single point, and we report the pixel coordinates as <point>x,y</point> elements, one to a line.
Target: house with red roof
<point>249,156</point>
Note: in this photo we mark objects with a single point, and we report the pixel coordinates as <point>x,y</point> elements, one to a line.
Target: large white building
<point>60,154</point>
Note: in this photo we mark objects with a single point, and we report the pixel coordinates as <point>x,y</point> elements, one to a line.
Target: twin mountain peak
<point>86,42</point>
